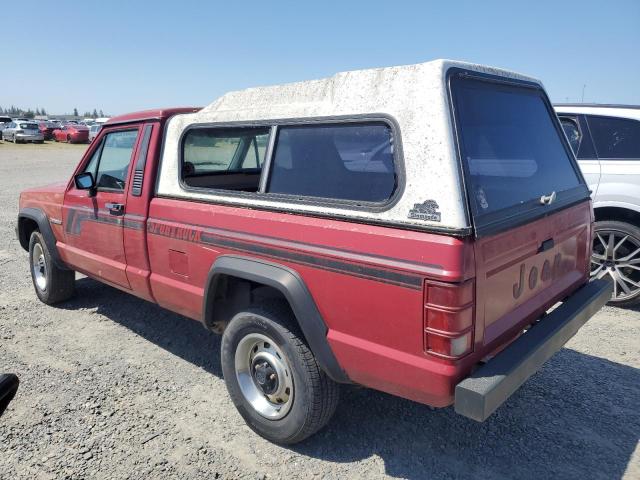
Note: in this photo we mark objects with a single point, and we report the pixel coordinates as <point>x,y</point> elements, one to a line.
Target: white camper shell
<point>414,100</point>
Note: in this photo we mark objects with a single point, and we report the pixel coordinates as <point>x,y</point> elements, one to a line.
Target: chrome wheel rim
<point>264,376</point>
<point>616,256</point>
<point>39,267</point>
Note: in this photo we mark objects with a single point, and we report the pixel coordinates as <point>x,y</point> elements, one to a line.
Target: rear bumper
<point>479,395</point>
<point>29,138</point>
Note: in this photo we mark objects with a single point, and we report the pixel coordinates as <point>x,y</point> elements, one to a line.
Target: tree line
<point>20,112</point>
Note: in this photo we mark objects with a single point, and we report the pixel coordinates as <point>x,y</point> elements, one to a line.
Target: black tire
<point>8,388</point>
<point>619,230</point>
<point>315,396</point>
<point>60,284</point>
<point>68,138</point>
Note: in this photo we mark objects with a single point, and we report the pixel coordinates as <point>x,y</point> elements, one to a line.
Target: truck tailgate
<point>522,272</point>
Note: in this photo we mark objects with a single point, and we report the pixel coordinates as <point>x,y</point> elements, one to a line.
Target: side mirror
<point>85,181</point>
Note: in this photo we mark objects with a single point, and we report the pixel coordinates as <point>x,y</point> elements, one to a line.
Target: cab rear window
<point>512,152</point>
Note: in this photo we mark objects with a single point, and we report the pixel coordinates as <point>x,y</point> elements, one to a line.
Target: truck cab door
<point>94,219</point>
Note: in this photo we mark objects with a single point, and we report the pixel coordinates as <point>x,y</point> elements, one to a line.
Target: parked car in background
<point>93,131</point>
<point>4,122</point>
<point>606,142</point>
<point>22,132</point>
<point>47,128</point>
<point>71,133</point>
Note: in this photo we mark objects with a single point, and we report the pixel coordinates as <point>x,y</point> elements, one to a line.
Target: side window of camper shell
<point>224,158</point>
<point>332,162</point>
<point>348,162</point>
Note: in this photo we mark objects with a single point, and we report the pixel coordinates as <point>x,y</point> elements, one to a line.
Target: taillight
<point>448,319</point>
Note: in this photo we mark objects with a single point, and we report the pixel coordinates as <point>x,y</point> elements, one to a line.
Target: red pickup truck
<point>421,230</point>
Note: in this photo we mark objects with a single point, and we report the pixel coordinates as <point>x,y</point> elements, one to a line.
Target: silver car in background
<point>93,131</point>
<point>606,141</point>
<point>4,123</point>
<point>23,131</point>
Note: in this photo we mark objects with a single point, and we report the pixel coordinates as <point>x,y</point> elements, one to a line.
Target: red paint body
<point>162,249</point>
<point>46,130</point>
<point>71,134</point>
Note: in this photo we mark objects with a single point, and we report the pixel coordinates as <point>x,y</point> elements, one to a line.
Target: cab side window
<point>109,164</point>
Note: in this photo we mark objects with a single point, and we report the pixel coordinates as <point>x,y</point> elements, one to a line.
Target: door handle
<point>115,208</point>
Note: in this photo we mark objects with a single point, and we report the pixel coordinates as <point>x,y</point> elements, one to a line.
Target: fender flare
<point>291,285</point>
<point>44,227</point>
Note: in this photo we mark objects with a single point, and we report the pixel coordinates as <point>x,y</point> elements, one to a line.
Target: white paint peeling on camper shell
<point>414,95</point>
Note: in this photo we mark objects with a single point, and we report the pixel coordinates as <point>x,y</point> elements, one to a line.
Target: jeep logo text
<point>549,271</point>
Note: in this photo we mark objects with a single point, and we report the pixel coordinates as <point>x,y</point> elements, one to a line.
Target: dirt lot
<point>113,387</point>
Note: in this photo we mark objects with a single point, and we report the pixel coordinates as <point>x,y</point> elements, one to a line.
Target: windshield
<point>512,151</point>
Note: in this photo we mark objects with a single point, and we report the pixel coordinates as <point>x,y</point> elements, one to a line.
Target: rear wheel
<point>272,376</point>
<point>52,284</point>
<point>616,257</point>
<point>68,138</point>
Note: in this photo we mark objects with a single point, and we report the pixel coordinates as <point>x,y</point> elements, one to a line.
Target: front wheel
<point>52,284</point>
<point>273,378</point>
<point>616,257</point>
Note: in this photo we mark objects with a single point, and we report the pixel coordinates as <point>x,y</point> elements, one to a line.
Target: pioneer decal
<point>427,210</point>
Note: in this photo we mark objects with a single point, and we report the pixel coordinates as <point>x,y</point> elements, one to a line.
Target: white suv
<point>606,141</point>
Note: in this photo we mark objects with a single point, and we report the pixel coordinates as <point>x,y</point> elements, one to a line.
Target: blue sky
<point>122,56</point>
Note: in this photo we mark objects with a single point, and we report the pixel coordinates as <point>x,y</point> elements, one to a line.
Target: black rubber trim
<point>291,285</point>
<point>45,229</point>
<point>478,396</point>
<point>141,161</point>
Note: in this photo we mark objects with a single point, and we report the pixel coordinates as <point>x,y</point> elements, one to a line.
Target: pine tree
<point>75,112</point>
<point>101,114</point>
<point>95,113</point>
<point>42,112</point>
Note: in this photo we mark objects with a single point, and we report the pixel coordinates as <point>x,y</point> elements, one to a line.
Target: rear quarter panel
<point>619,184</point>
<point>367,281</point>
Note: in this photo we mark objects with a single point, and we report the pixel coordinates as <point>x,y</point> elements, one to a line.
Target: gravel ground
<point>114,387</point>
